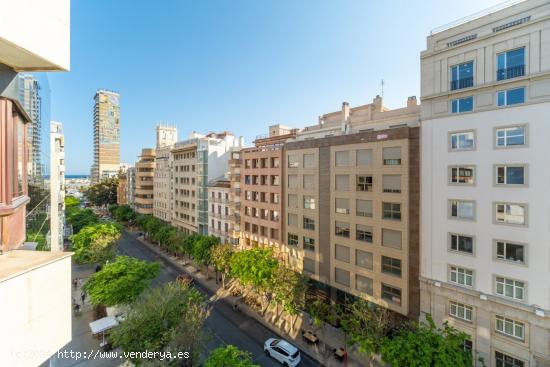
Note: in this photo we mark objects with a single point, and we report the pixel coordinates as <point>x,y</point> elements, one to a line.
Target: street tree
<point>103,193</point>
<point>167,318</point>
<point>426,345</point>
<point>121,281</point>
<point>95,243</point>
<point>221,259</point>
<point>229,356</point>
<point>289,290</point>
<point>256,268</point>
<point>79,218</point>
<point>163,234</point>
<point>202,249</point>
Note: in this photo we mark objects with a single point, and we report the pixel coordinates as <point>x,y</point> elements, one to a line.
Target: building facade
<point>57,186</point>
<point>196,161</point>
<point>220,210</point>
<point>29,95</point>
<point>235,163</point>
<point>122,188</point>
<point>144,190</point>
<point>106,135</point>
<point>485,203</point>
<point>131,187</point>
<point>162,205</point>
<point>261,191</point>
<point>351,203</point>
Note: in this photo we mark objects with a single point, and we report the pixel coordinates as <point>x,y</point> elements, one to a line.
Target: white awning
<point>103,324</point>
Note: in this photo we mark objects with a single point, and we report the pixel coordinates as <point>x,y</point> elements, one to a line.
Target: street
<point>224,325</point>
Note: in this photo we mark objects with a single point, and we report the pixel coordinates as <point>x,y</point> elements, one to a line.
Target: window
<point>309,224</point>
<point>391,156</point>
<point>391,183</point>
<point>460,105</point>
<point>292,181</point>
<point>342,182</point>
<point>461,311</point>
<point>391,294</point>
<point>464,140</point>
<point>510,213</point>
<point>504,360</point>
<point>391,238</point>
<point>461,276</point>
<point>510,288</point>
<point>461,243</point>
<point>292,200</point>
<point>292,220</point>
<point>510,175</point>
<point>309,161</point>
<point>391,266</point>
<point>308,266</point>
<point>342,205</point>
<point>363,157</point>
<point>462,75</point>
<point>364,284</point>
<point>462,209</point>
<point>510,136</point>
<point>363,233</point>
<point>363,208</point>
<point>364,183</point>
<point>341,276</point>
<point>341,229</point>
<point>309,243</point>
<point>341,253</point>
<point>293,161</point>
<point>309,202</point>
<point>391,211</point>
<point>292,239</point>
<point>364,259</point>
<point>341,159</point>
<point>462,175</point>
<point>274,162</point>
<point>511,96</point>
<point>511,64</point>
<point>509,327</point>
<point>509,251</point>
<point>308,182</point>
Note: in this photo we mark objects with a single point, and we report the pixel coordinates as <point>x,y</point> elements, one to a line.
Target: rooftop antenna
<point>382,87</point>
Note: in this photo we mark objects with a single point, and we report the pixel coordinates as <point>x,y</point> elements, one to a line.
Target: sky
<point>238,65</point>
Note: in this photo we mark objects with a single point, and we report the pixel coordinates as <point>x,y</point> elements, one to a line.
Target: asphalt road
<point>224,325</point>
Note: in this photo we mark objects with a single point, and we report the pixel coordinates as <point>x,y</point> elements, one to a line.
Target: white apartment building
<point>57,186</point>
<point>485,218</point>
<point>162,188</point>
<point>196,161</point>
<point>219,209</point>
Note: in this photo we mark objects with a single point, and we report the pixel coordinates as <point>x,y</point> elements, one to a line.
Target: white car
<point>284,352</point>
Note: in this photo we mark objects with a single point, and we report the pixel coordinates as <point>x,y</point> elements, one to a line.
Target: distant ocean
<point>77,176</point>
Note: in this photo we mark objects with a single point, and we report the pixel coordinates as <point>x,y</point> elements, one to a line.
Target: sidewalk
<point>334,337</point>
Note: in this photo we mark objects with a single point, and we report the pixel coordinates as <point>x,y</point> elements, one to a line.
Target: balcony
<point>462,83</point>
<point>511,72</point>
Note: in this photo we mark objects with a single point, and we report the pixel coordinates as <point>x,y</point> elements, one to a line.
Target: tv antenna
<point>382,87</point>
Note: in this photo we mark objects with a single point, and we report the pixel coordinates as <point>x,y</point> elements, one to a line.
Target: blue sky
<point>237,65</point>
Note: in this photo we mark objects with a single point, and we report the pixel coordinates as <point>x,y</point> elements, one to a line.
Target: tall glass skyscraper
<point>106,135</point>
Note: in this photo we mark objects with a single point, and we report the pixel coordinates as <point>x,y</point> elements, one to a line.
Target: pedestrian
<point>75,282</point>
<point>83,296</point>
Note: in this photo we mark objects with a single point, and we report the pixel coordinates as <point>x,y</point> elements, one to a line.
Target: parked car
<point>185,279</point>
<point>282,351</point>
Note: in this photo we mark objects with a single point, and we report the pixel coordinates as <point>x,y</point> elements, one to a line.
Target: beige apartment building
<point>235,163</point>
<point>162,183</point>
<point>184,215</point>
<point>351,204</point>
<point>122,188</point>
<point>261,190</point>
<point>145,171</point>
<point>485,180</point>
<point>106,135</point>
<point>220,210</point>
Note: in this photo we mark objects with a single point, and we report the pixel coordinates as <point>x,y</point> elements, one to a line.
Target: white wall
<point>435,193</point>
<point>35,314</point>
<point>35,34</point>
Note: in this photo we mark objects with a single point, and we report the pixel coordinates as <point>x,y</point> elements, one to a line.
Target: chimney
<point>411,101</point>
<point>377,104</point>
<point>345,111</point>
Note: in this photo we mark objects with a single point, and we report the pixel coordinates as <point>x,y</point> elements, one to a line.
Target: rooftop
<point>17,262</point>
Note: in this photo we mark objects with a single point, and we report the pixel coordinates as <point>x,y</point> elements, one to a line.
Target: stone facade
<point>145,171</point>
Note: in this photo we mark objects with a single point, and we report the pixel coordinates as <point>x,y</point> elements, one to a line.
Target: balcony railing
<point>511,72</point>
<point>462,83</point>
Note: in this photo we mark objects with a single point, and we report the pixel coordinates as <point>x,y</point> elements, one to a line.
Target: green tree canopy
<point>80,218</point>
<point>229,356</point>
<point>121,281</point>
<point>164,318</point>
<point>124,213</point>
<point>71,202</point>
<point>95,243</point>
<point>202,248</point>
<point>427,345</point>
<point>289,289</point>
<point>221,259</point>
<point>255,267</point>
<point>103,193</point>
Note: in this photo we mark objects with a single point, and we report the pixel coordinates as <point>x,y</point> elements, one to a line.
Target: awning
<point>103,324</point>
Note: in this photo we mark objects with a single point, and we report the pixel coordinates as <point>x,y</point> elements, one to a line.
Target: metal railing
<point>511,72</point>
<point>462,83</point>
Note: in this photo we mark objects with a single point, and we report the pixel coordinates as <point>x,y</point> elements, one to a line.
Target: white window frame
<point>503,259</point>
<point>515,287</point>
<point>506,91</point>
<point>457,250</point>
<point>465,310</point>
<point>458,133</point>
<point>458,167</point>
<point>514,323</point>
<point>506,166</point>
<point>466,276</point>
<point>504,222</point>
<point>458,202</point>
<point>509,127</point>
